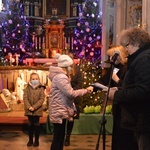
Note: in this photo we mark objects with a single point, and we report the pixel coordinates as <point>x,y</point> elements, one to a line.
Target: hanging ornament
<point>75,42</point>
<point>89,45</point>
<point>82,31</point>
<point>86,23</point>
<point>98,37</point>
<point>90,38</point>
<point>78,24</point>
<point>80,14</point>
<point>87,29</point>
<point>13,35</point>
<point>10,21</point>
<point>91,54</point>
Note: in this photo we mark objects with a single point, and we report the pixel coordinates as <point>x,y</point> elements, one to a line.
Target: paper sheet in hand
<point>99,86</point>
<point>115,70</point>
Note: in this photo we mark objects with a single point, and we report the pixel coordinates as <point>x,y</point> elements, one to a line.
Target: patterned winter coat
<point>61,96</point>
<point>33,97</point>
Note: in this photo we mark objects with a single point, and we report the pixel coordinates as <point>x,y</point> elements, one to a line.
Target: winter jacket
<point>61,96</point>
<point>33,97</point>
<point>134,96</point>
<point>76,80</point>
<point>106,77</point>
<point>76,83</point>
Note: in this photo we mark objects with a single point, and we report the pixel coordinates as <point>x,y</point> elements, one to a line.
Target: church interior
<point>32,32</point>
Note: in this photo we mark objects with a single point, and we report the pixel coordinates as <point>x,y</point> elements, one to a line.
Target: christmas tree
<point>88,33</point>
<point>91,72</point>
<point>87,47</point>
<point>15,27</point>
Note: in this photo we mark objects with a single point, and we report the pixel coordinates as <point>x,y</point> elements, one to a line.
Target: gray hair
<point>134,36</point>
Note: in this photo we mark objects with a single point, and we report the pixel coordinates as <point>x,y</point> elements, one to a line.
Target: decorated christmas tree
<point>91,72</point>
<point>87,47</point>
<point>88,33</point>
<point>15,27</point>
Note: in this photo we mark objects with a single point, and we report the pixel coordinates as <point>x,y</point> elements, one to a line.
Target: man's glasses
<point>126,46</point>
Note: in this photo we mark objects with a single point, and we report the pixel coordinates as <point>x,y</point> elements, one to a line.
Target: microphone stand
<point>102,130</point>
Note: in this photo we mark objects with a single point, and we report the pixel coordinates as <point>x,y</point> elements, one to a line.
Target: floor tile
<point>17,140</point>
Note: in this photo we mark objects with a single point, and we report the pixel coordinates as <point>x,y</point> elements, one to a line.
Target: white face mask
<point>34,82</point>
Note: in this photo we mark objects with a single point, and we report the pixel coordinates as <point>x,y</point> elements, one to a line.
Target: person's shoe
<point>36,143</point>
<point>67,143</point>
<point>67,140</point>
<point>30,143</point>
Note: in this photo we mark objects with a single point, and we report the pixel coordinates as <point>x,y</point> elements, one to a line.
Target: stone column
<point>104,33</point>
<point>120,23</point>
<point>146,15</point>
<point>118,12</point>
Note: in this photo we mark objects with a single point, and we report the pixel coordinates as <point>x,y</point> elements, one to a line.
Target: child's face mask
<point>34,82</point>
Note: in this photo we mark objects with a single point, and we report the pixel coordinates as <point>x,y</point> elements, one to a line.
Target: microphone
<point>114,57</point>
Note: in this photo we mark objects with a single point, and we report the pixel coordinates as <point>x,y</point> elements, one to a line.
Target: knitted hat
<point>63,60</point>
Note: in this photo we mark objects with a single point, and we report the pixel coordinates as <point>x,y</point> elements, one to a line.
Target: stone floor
<point>16,140</point>
<point>13,135</point>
